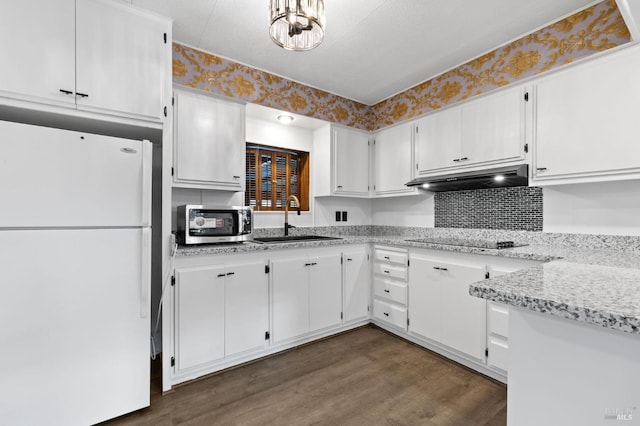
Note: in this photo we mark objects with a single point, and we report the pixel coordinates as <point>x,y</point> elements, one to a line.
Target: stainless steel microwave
<point>213,224</point>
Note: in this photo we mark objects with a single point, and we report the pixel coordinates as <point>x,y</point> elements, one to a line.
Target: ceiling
<point>373,49</point>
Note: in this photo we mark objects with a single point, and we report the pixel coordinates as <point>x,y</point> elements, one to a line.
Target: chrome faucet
<point>296,203</point>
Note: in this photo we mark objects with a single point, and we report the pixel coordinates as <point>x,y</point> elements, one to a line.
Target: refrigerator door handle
<point>145,283</point>
<point>147,165</point>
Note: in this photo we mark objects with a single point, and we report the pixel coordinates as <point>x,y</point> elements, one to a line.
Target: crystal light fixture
<point>297,24</point>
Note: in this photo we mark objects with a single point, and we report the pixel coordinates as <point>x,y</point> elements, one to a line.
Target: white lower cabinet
<point>356,283</point>
<point>441,308</point>
<point>199,310</point>
<point>307,294</point>
<point>498,336</point>
<point>220,311</point>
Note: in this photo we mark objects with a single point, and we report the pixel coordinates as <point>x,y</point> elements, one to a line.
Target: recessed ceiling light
<point>285,118</point>
<point>498,178</point>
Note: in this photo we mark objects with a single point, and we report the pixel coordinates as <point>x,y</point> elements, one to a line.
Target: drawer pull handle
<point>386,272</point>
<point>221,275</point>
<point>541,169</point>
<point>66,92</point>
<point>387,291</point>
<point>236,177</point>
<point>307,264</point>
<point>82,95</point>
<point>230,273</point>
<point>385,314</point>
<point>456,159</point>
<point>387,257</point>
<point>440,269</point>
<point>349,260</point>
<point>464,158</point>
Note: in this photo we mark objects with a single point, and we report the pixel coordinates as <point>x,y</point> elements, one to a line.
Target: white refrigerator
<point>75,256</point>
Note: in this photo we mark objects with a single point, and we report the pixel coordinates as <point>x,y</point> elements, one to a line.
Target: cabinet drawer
<point>498,352</point>
<point>498,319</point>
<point>389,313</point>
<point>391,290</point>
<point>388,256</point>
<point>387,270</point>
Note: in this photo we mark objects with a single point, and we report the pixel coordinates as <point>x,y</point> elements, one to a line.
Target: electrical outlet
<point>344,216</point>
<point>338,217</point>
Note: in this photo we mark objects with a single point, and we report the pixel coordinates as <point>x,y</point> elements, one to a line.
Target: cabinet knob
<point>387,257</point>
<point>387,291</point>
<point>339,186</point>
<point>385,314</point>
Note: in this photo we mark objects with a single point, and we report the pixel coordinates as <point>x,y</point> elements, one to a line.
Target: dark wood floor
<point>363,377</point>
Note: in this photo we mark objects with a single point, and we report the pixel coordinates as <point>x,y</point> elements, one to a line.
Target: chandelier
<point>297,24</point>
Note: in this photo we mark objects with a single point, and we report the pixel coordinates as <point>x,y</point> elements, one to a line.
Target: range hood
<point>499,177</point>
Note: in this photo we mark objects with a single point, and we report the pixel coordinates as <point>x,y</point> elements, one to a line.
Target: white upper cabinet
<point>340,162</point>
<point>209,142</point>
<point>350,161</point>
<point>488,130</point>
<point>587,126</point>
<point>393,160</point>
<point>120,59</point>
<point>493,127</point>
<point>38,48</point>
<point>93,55</point>
<point>439,139</point>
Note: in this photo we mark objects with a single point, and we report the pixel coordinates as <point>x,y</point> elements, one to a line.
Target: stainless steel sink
<point>292,238</point>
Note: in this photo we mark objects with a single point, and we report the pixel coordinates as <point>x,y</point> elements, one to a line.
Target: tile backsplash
<point>517,209</point>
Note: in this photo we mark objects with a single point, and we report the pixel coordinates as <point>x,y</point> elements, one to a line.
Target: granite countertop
<point>588,278</point>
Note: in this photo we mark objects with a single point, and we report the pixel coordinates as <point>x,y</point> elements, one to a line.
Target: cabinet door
<point>121,59</point>
<point>325,291</point>
<point>493,128</point>
<point>290,298</point>
<point>209,142</point>
<point>425,298</point>
<point>587,119</point>
<point>38,50</point>
<point>246,307</point>
<point>350,156</point>
<point>463,316</point>
<point>394,160</point>
<point>439,140</point>
<point>199,310</point>
<point>356,284</point>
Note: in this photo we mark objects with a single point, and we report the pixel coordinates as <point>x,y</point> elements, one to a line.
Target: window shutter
<point>266,181</point>
<point>251,187</point>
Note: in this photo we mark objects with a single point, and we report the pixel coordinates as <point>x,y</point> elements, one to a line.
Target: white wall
<point>611,208</point>
<point>358,211</point>
<point>276,134</point>
<point>414,210</point>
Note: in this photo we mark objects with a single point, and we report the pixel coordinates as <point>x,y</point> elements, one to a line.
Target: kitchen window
<point>272,174</point>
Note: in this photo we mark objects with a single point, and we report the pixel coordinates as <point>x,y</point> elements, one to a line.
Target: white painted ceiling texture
<point>373,49</point>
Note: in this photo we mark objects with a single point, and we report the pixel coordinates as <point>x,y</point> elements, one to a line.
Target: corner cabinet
<point>209,142</point>
<point>485,131</point>
<point>393,161</point>
<point>349,161</point>
<point>340,162</point>
<point>586,121</point>
<point>99,56</point>
<point>356,283</point>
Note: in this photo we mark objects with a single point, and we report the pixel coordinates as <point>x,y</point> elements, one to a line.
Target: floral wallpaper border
<point>589,31</point>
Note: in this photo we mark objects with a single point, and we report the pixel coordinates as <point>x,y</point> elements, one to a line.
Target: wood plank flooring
<point>363,377</point>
